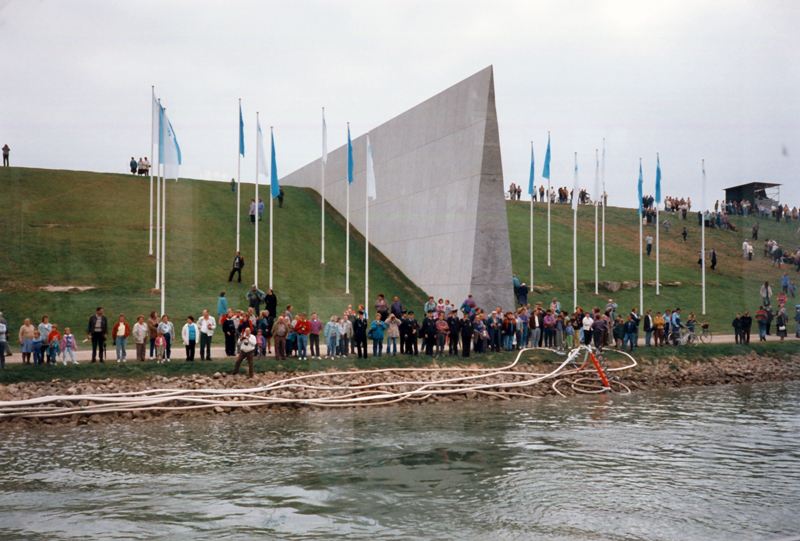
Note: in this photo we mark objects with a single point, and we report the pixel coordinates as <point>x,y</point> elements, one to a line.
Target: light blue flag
<point>241,132</point>
<point>349,158</point>
<point>274,187</point>
<point>546,170</point>
<point>658,180</point>
<point>641,208</point>
<point>172,151</point>
<point>531,189</point>
<point>160,134</point>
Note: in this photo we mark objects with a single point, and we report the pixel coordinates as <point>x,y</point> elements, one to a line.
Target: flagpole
<point>366,251</point>
<point>322,163</point>
<point>641,262</point>
<point>575,243</point>
<point>347,232</point>
<point>163,225</point>
<point>255,269</point>
<point>658,269</point>
<point>532,173</point>
<point>158,205</point>
<point>239,188</point>
<point>603,198</point>
<point>152,127</point>
<point>595,235</point>
<point>703,236</point>
<point>270,221</point>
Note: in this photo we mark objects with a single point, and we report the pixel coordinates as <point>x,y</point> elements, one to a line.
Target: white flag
<point>576,190</point>
<point>324,140</point>
<point>262,158</point>
<point>370,173</point>
<point>172,151</point>
<point>596,193</point>
<point>156,121</point>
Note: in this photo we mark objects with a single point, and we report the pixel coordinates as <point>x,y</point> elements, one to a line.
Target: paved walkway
<point>179,353</point>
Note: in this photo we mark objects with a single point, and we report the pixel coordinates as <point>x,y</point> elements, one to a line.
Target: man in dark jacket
<point>599,327</point>
<point>412,347</point>
<point>97,331</point>
<point>271,303</point>
<point>648,326</point>
<point>255,297</point>
<point>737,328</point>
<point>428,332</point>
<point>238,265</point>
<point>403,329</point>
<point>452,324</point>
<point>467,330</point>
<point>229,331</point>
<point>747,322</point>
<point>360,334</point>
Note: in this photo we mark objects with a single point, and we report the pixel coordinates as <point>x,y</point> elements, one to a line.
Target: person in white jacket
<point>247,343</point>
<point>207,325</point>
<point>189,335</point>
<point>140,334</point>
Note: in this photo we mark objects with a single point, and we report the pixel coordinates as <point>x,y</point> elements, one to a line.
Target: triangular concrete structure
<point>440,214</point>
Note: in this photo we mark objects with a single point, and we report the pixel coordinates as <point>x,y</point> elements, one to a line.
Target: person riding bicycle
<point>691,321</point>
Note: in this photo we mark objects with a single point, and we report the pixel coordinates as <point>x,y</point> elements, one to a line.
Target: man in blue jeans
<point>630,333</point>
<point>761,318</point>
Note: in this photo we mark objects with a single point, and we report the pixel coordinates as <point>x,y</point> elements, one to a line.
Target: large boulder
<point>629,285</point>
<point>611,286</point>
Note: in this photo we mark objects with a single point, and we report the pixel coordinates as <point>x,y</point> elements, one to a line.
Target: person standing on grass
<point>167,331</point>
<point>397,308</point>
<point>428,332</point>
<point>302,328</point>
<point>53,341</point>
<point>140,332</point>
<point>442,330</point>
<point>3,331</point>
<point>360,334</point>
<point>761,318</point>
<point>797,320</point>
<point>45,327</point>
<point>631,329</point>
<point>382,307</point>
<point>522,296</point>
<point>784,284</point>
<point>766,293</point>
<point>260,209</point>
<point>233,185</point>
<point>207,325</point>
<point>253,213</point>
<point>222,306</point>
<point>649,240</point>
<point>189,335</point>
<point>255,297</point>
<point>331,334</point>
<point>280,330</point>
<point>6,150</point>
<point>247,345</point>
<point>684,233</point>
<point>238,265</point>
<point>648,326</point>
<point>313,335</point>
<point>781,325</point>
<point>119,334</point>
<point>229,331</point>
<point>412,338</point>
<point>271,303</point>
<point>713,258</point>
<point>392,335</point>
<point>376,333</point>
<point>747,323</point>
<point>97,331</point>
<point>134,165</point>
<point>467,329</point>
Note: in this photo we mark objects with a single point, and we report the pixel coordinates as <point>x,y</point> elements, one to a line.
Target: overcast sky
<point>691,80</point>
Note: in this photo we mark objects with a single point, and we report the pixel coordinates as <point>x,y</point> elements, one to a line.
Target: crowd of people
<point>141,167</point>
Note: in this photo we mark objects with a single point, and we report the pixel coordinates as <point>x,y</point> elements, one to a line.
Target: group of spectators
<point>141,167</point>
<point>779,257</point>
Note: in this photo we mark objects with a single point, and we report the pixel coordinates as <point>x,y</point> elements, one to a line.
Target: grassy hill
<point>734,286</point>
<point>70,228</point>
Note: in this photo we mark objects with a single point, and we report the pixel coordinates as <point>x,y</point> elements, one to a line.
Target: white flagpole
<point>255,269</point>
<point>347,236</point>
<point>548,211</point>
<point>366,251</point>
<point>641,262</point>
<point>658,227</point>
<point>158,216</point>
<point>163,212</point>
<point>703,237</point>
<point>152,127</point>
<point>270,218</point>
<point>239,187</point>
<point>531,286</point>
<point>595,236</point>
<point>322,162</point>
<point>575,246</point>
<point>603,198</point>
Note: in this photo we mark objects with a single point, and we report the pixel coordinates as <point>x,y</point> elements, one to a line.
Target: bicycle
<point>704,334</point>
<point>684,337</point>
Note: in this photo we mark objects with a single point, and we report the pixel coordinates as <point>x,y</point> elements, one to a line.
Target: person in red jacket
<point>762,317</point>
<point>301,329</point>
<point>119,334</point>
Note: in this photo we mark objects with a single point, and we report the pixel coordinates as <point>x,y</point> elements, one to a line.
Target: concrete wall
<point>440,212</point>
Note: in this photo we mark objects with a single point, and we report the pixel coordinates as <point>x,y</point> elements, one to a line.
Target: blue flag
<point>531,189</point>
<point>241,132</point>
<point>546,170</point>
<point>658,180</point>
<point>275,189</point>
<point>641,208</point>
<point>349,158</point>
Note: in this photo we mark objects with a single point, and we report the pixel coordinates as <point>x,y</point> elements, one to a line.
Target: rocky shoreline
<point>664,373</point>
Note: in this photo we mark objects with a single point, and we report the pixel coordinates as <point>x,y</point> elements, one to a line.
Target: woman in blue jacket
<point>376,333</point>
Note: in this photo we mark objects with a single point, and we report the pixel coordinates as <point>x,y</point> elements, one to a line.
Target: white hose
<point>333,396</point>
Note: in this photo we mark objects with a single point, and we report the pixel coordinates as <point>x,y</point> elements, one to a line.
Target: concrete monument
<point>440,213</point>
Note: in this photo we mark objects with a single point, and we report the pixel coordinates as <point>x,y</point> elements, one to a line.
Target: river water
<point>710,463</point>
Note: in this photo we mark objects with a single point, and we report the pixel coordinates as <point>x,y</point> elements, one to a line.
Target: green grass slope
<point>734,286</point>
<point>70,228</point>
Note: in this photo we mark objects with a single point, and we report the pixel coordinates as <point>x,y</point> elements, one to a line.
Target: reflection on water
<point>720,463</point>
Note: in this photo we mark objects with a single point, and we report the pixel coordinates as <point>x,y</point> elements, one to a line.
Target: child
<point>792,289</point>
<point>261,346</point>
<point>161,345</point>
<point>570,333</point>
<point>38,352</point>
<point>68,345</point>
<point>54,343</point>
